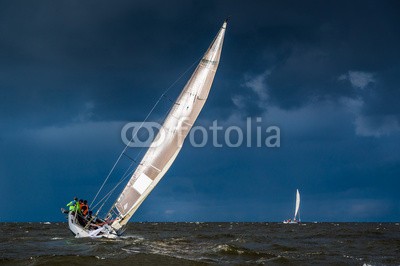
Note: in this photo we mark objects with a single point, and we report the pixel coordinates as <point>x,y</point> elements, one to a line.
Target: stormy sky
<point>327,73</point>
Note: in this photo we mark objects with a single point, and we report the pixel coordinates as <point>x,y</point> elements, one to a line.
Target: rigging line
<point>160,122</point>
<point>108,195</point>
<point>152,109</point>
<point>116,186</point>
<point>137,157</point>
<point>127,173</point>
<point>124,176</point>
<point>130,158</point>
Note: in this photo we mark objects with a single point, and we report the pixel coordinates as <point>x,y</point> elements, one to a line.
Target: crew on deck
<point>80,209</point>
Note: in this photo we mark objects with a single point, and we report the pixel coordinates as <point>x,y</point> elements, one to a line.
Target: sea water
<point>205,243</point>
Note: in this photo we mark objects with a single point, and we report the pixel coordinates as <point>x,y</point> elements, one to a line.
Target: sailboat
<point>296,211</point>
<point>159,156</point>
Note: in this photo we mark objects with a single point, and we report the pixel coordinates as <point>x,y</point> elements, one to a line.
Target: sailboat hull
<point>79,231</point>
<point>291,222</point>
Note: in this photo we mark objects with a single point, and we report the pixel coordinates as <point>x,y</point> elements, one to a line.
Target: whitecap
<point>130,251</point>
<point>134,237</point>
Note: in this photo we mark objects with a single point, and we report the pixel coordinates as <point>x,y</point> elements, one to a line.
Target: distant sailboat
<point>296,211</point>
<point>158,158</point>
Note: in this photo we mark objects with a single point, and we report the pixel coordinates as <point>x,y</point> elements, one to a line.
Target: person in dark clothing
<point>80,217</point>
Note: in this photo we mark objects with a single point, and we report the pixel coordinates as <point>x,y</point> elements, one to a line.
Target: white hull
<point>291,222</point>
<point>104,231</point>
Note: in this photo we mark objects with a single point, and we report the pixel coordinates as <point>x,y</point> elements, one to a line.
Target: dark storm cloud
<point>60,56</point>
<point>308,51</point>
<point>73,54</point>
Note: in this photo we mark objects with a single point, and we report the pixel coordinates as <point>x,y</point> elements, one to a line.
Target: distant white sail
<point>297,204</point>
<point>168,142</point>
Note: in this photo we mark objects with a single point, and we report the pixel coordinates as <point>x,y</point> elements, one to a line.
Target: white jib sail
<point>168,142</point>
<point>297,203</point>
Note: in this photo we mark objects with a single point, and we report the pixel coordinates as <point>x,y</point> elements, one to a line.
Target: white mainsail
<point>297,204</point>
<point>169,140</point>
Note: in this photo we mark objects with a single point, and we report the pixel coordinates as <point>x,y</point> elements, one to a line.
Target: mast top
<point>225,22</point>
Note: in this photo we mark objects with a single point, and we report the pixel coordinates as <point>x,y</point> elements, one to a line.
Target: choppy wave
<point>67,260</point>
<point>204,243</point>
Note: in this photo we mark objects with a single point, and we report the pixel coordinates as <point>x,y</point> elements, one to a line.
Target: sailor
<point>79,209</point>
<point>79,206</point>
<point>72,205</point>
<point>84,208</point>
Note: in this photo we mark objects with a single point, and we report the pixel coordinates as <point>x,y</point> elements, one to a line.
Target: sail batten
<point>169,140</point>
